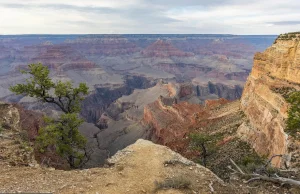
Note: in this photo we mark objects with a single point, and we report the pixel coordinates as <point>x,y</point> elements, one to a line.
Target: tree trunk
<point>204,154</point>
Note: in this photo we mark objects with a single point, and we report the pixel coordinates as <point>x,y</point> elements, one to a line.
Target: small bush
<point>120,168</point>
<point>250,163</point>
<point>24,135</point>
<point>26,146</point>
<point>252,159</point>
<point>173,183</point>
<point>205,144</point>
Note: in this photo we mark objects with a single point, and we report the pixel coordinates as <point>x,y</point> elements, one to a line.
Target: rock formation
<point>107,46</point>
<point>212,90</point>
<point>170,120</point>
<point>105,94</point>
<point>121,124</point>
<point>142,167</point>
<point>108,59</point>
<point>162,49</point>
<point>276,72</point>
<point>61,58</point>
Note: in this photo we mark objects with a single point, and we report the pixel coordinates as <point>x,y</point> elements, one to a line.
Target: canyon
<point>258,118</point>
<point>115,65</point>
<point>130,76</point>
<point>161,89</point>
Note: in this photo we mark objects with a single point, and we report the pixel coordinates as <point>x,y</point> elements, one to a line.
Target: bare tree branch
<point>236,166</point>
<point>277,179</point>
<point>270,160</point>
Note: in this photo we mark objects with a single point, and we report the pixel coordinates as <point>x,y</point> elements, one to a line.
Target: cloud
<point>149,16</point>
<point>59,7</point>
<point>284,23</point>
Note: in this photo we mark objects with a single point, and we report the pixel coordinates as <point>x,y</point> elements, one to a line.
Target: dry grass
<point>179,182</point>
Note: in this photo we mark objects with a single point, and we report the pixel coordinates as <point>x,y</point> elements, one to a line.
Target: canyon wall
<point>219,90</point>
<point>162,49</point>
<point>104,95</point>
<point>170,120</point>
<point>276,73</point>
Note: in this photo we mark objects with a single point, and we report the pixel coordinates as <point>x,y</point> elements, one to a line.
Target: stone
<point>275,72</point>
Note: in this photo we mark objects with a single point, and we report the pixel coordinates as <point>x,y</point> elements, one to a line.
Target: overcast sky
<point>149,16</point>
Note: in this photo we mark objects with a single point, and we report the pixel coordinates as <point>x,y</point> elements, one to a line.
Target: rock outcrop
<point>218,90</point>
<point>276,72</point>
<point>137,169</point>
<point>170,120</point>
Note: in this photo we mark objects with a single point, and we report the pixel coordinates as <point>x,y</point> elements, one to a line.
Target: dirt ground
<point>135,171</point>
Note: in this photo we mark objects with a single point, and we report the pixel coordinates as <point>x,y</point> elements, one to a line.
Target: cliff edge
<point>275,74</point>
<point>143,167</point>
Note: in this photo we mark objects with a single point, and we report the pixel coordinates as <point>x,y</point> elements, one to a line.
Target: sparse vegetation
<point>62,133</point>
<point>26,146</point>
<point>1,128</point>
<point>293,121</point>
<point>179,182</point>
<point>288,36</point>
<point>252,163</point>
<point>24,135</point>
<point>239,151</point>
<point>204,144</point>
<point>284,91</point>
<point>263,172</point>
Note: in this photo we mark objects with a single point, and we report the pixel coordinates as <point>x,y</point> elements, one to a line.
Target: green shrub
<point>252,159</point>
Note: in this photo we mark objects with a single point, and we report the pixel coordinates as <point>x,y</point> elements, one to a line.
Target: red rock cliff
<point>170,121</point>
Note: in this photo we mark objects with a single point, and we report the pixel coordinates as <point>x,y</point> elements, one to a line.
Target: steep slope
<point>170,120</point>
<point>15,148</point>
<point>276,72</point>
<point>121,124</point>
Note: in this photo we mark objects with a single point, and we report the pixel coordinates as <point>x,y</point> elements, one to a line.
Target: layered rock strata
<point>276,73</point>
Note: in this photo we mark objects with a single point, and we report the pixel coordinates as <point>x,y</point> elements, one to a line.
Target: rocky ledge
<point>132,171</point>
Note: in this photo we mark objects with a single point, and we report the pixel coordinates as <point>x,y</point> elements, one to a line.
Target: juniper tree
<point>202,143</point>
<point>62,133</point>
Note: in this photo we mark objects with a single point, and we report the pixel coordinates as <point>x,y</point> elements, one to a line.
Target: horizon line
<point>26,34</point>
